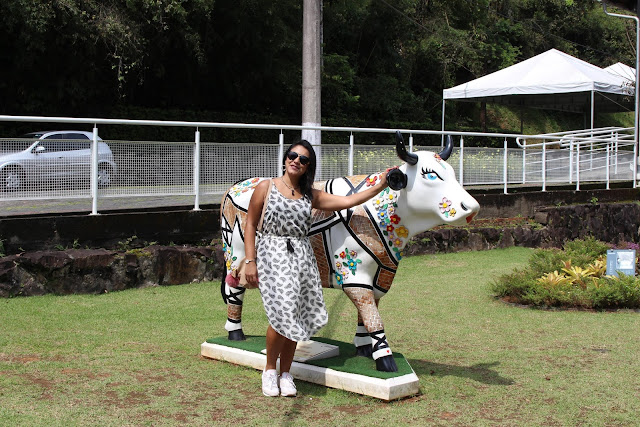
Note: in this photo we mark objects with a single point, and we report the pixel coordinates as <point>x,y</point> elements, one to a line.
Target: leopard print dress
<point>289,280</point>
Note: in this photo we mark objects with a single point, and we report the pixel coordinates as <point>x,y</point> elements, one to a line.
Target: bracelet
<point>247,261</point>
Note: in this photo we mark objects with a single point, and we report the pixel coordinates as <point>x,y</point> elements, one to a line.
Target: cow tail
<point>222,292</point>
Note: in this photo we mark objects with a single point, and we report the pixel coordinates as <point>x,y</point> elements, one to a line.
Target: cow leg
<point>233,297</point>
<point>370,323</point>
<point>362,340</point>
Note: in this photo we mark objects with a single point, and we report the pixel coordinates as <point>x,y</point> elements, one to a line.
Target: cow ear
<point>396,179</point>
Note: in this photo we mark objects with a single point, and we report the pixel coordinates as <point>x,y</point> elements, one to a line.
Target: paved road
<point>84,205</point>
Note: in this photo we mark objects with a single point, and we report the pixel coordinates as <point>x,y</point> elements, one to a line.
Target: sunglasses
<point>292,155</point>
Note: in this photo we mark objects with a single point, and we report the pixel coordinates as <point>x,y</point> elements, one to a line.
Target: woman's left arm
<point>331,202</point>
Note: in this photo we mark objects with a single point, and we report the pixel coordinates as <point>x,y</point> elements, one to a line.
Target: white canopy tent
<point>623,70</point>
<point>550,80</point>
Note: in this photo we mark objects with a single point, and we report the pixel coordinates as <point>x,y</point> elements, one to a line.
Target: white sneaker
<point>270,383</point>
<point>287,386</point>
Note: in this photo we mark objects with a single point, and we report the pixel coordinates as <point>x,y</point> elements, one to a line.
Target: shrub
<point>572,277</point>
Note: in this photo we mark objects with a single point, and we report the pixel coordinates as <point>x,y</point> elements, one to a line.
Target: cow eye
<point>431,175</point>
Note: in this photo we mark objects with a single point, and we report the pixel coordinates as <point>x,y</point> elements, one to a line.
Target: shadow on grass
<point>480,372</point>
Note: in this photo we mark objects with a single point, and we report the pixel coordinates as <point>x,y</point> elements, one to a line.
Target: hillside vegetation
<point>384,63</point>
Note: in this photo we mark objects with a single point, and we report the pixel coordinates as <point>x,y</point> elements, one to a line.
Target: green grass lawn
<point>132,357</point>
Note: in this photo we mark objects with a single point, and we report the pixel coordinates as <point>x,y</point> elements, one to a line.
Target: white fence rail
<point>98,170</point>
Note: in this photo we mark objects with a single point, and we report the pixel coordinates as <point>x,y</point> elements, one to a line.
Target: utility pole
<point>311,68</point>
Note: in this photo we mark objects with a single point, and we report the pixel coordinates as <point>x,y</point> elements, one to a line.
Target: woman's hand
<point>383,176</point>
<point>251,273</point>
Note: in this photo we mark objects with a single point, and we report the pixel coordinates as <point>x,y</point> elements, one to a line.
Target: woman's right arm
<point>253,217</point>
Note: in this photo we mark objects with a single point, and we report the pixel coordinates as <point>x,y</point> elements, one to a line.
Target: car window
<point>75,135</point>
<point>32,135</point>
<point>78,145</point>
<point>51,145</point>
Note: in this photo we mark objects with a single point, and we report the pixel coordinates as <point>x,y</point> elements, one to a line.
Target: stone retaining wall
<point>614,223</point>
<point>98,271</point>
<point>101,270</point>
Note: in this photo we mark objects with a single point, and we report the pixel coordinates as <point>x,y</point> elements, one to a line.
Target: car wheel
<point>104,176</point>
<point>11,178</point>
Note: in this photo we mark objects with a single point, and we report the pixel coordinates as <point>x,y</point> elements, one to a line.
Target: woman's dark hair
<point>306,180</point>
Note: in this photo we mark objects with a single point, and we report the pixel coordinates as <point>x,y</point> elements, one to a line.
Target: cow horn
<point>448,149</point>
<point>410,158</point>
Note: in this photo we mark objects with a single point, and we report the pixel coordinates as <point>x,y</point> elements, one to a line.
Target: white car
<point>55,157</point>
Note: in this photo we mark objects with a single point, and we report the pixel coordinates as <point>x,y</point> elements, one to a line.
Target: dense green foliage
<point>573,277</point>
<point>384,63</point>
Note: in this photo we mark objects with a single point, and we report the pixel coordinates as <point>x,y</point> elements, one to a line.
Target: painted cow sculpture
<point>358,250</point>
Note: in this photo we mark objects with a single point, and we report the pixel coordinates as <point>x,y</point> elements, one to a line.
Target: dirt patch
<point>130,400</point>
<point>447,416</point>
<point>161,392</point>
<point>352,410</point>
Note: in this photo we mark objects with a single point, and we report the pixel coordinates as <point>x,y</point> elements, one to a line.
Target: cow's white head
<point>431,195</point>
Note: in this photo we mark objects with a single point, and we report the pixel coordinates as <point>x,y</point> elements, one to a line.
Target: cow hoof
<point>237,335</point>
<point>364,351</point>
<point>386,364</point>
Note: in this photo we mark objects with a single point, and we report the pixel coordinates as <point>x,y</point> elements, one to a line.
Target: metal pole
<point>94,172</point>
<point>350,172</point>
<point>544,166</point>
<point>571,145</point>
<point>524,165</point>
<point>461,171</point>
<point>196,172</point>
<point>608,163</point>
<point>637,98</point>
<point>578,167</point>
<point>615,153</point>
<point>280,153</point>
<point>505,174</point>
<point>411,143</point>
<point>592,122</point>
<point>442,136</point>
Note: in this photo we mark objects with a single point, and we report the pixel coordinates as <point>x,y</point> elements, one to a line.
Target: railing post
<point>350,172</point>
<point>544,165</point>
<point>411,143</point>
<point>196,172</point>
<point>635,163</point>
<point>615,151</point>
<point>461,163</point>
<point>94,171</point>
<point>280,152</point>
<point>571,162</point>
<point>578,167</point>
<point>608,152</point>
<point>505,172</point>
<point>524,164</point>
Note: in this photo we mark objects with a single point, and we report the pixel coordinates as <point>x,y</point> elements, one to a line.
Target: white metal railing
<point>102,170</point>
<point>575,156</point>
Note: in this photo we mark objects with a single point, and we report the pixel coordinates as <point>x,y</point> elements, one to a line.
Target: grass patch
<point>132,357</point>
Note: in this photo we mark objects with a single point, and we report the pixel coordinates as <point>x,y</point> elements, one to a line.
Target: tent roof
<point>553,80</point>
<point>622,70</point>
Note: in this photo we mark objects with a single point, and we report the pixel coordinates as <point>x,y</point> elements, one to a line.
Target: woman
<point>289,280</point>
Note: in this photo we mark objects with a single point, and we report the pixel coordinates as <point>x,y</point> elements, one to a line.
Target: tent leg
<point>521,119</point>
<point>442,136</point>
<point>592,105</point>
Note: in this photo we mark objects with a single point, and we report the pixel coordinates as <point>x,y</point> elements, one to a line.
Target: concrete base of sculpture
<point>385,389</point>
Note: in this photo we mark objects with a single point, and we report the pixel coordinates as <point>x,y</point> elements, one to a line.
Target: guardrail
<point>600,155</point>
<point>195,169</point>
